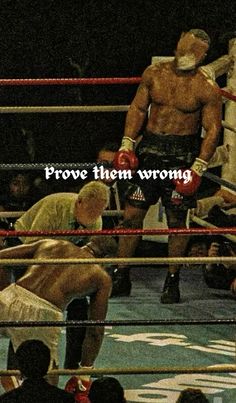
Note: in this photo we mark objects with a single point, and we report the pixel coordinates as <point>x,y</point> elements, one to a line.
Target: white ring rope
<point>121,260</point>
<point>221,368</point>
<point>64,109</point>
<point>76,108</point>
<point>17,214</point>
<point>119,213</point>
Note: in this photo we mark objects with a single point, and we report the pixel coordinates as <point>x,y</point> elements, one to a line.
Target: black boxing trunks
<point>162,152</point>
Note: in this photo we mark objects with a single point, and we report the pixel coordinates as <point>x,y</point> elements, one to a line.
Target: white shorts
<point>17,303</point>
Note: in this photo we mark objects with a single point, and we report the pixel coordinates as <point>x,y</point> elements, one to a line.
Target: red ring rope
<point>86,232</point>
<point>228,95</point>
<point>83,81</point>
<point>69,81</point>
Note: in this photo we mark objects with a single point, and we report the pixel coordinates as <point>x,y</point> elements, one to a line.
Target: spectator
<point>106,390</point>
<point>19,194</point>
<point>218,276</point>
<point>191,395</point>
<point>107,152</point>
<point>33,357</point>
<point>197,246</point>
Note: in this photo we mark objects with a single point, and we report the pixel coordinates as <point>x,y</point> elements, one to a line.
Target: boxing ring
<point>158,331</point>
<point>152,329</point>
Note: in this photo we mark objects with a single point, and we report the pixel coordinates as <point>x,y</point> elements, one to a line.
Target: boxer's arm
<point>21,251</point>
<point>125,158</point>
<point>97,311</point>
<point>80,385</point>
<point>211,122</point>
<point>138,107</point>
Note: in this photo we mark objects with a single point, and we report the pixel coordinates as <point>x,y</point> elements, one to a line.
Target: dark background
<point>51,38</point>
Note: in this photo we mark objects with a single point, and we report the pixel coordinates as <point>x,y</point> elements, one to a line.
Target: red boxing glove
<point>125,159</point>
<point>188,185</point>
<point>82,397</point>
<point>79,388</point>
<point>71,385</point>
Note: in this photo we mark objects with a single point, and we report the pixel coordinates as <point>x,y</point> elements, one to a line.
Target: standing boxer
<point>180,99</point>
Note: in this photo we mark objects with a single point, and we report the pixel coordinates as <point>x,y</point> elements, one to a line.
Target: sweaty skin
<point>180,102</point>
<point>71,281</point>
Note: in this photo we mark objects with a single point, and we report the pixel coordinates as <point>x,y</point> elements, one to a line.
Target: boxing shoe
<point>121,284</point>
<point>79,388</point>
<point>171,294</point>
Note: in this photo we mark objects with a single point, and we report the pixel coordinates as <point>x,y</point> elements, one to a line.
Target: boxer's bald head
<point>191,49</point>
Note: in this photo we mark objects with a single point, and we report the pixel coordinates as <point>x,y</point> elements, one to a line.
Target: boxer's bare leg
<point>176,248</point>
<point>133,218</point>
